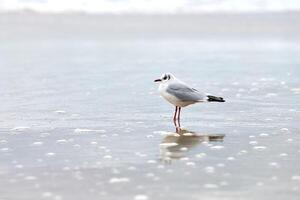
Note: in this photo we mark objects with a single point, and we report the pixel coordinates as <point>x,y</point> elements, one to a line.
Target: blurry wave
<point>150,6</point>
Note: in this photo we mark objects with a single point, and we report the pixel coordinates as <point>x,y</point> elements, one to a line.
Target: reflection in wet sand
<point>176,145</point>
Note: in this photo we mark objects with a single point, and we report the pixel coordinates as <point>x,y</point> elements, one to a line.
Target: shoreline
<point>136,13</point>
<point>283,25</point>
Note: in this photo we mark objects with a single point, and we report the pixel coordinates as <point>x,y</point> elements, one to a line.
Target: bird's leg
<point>177,129</point>
<point>179,110</point>
<point>174,118</point>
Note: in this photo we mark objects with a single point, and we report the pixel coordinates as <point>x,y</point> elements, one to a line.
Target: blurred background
<point>81,118</point>
<point>152,6</point>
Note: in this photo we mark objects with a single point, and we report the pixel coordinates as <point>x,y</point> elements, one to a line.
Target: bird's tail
<point>213,98</point>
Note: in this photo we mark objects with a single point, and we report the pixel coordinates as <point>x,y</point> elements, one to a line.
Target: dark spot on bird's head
<point>166,77</point>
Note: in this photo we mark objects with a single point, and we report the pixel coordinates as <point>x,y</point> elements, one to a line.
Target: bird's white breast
<point>171,98</point>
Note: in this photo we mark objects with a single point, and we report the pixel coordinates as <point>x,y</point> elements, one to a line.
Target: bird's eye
<point>165,78</point>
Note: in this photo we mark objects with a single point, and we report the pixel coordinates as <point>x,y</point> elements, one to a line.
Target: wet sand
<point>81,117</point>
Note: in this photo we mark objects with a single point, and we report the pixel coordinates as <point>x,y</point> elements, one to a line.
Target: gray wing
<point>185,93</point>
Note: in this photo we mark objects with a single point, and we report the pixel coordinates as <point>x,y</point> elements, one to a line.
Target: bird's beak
<point>157,80</point>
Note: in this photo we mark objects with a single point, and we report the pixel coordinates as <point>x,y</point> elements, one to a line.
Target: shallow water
<point>81,119</point>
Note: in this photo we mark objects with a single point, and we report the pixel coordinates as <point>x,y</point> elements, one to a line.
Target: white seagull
<point>181,95</point>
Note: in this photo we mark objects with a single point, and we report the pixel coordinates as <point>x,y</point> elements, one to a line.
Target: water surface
<point>81,118</point>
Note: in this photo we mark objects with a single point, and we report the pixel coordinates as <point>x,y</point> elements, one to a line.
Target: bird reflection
<point>176,145</point>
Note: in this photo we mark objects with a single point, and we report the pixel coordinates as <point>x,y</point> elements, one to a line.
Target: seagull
<point>181,95</point>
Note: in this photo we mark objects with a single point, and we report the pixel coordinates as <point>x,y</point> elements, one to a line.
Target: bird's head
<point>165,77</point>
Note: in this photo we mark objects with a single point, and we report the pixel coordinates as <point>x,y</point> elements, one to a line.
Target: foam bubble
<point>93,143</point>
<point>200,155</point>
<point>188,134</point>
<point>209,170</point>
<point>242,152</point>
<point>62,141</point>
<point>223,183</point>
<point>150,175</point>
<point>3,141</point>
<point>107,157</point>
<point>44,134</point>
<point>190,164</point>
<point>160,167</point>
<point>184,159</point>
<point>231,158</point>
<point>151,161</point>
<point>84,130</point>
<point>19,166</point>
<point>140,197</point>
<point>47,194</point>
<point>295,178</point>
<point>171,144</point>
<point>210,186</point>
<point>283,154</point>
<point>270,95</point>
<point>30,178</point>
<point>66,168</point>
<point>50,154</point>
<point>58,197</point>
<point>140,154</point>
<point>119,180</point>
<point>20,128</point>
<point>220,165</point>
<point>259,147</point>
<point>184,149</point>
<point>5,149</point>
<point>295,90</point>
<point>131,168</point>
<point>165,133</point>
<point>217,147</point>
<point>285,130</point>
<point>289,140</point>
<point>60,111</point>
<point>274,164</point>
<point>37,143</point>
<point>263,135</point>
<point>253,142</point>
<point>259,183</point>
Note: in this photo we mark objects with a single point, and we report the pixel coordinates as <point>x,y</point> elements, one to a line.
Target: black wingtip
<point>216,99</point>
